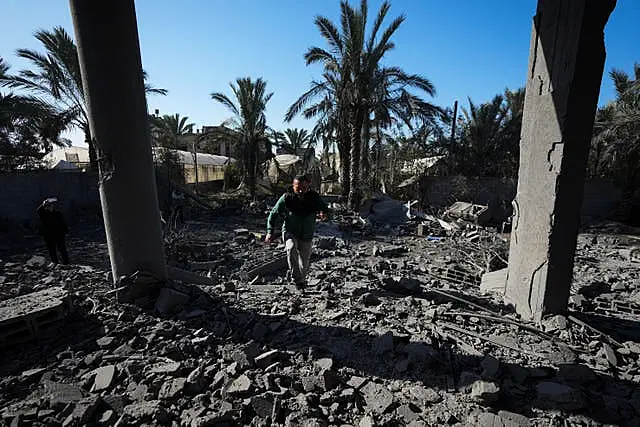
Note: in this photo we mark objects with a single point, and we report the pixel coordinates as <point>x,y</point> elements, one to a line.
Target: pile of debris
<point>392,330</point>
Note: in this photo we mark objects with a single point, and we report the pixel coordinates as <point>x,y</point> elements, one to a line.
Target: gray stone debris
<point>377,397</point>
<point>239,386</point>
<point>485,392</point>
<point>104,377</point>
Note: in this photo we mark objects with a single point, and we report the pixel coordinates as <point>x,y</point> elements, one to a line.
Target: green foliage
<point>615,149</point>
<point>29,128</point>
<point>488,138</point>
<point>168,131</point>
<point>356,90</point>
<point>247,129</point>
<point>54,77</point>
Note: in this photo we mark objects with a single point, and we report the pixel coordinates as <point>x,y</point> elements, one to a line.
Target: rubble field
<point>393,330</point>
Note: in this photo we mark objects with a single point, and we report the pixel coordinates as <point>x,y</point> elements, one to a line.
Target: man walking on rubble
<point>53,229</point>
<point>299,206</point>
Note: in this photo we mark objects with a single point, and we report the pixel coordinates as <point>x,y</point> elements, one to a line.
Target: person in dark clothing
<point>299,206</point>
<point>53,229</point>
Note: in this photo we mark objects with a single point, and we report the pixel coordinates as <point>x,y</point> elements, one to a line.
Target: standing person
<point>53,229</point>
<point>299,206</point>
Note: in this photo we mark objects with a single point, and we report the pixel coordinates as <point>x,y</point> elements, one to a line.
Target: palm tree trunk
<point>356,145</point>
<point>345,166</point>
<point>93,155</point>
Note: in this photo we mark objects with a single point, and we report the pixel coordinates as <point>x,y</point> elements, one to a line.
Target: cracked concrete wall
<point>566,62</point>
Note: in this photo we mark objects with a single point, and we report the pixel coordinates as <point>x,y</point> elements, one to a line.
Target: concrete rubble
<point>393,330</point>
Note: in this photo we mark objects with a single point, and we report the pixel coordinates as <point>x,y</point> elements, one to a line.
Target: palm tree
<point>247,129</point>
<point>298,141</point>
<point>169,130</point>
<point>332,122</point>
<point>29,128</point>
<point>617,130</point>
<point>55,75</point>
<point>354,62</point>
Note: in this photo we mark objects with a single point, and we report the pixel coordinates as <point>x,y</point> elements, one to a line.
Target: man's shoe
<point>301,286</point>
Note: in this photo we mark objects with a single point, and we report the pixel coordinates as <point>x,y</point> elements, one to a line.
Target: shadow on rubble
<point>433,361</point>
<point>77,333</point>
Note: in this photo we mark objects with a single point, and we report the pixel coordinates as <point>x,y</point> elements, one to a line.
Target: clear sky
<point>471,48</point>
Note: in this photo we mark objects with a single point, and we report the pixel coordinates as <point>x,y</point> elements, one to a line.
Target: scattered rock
<point>239,386</point>
<point>103,378</point>
<point>268,358</point>
<point>377,397</point>
<point>82,412</point>
<point>172,388</point>
<point>485,392</point>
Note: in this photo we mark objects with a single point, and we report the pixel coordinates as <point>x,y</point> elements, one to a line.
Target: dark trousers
<point>55,244</point>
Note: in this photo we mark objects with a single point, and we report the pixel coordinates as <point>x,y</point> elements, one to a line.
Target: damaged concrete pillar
<point>566,61</point>
<point>112,78</point>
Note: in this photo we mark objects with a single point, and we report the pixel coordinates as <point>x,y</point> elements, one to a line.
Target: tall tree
<point>169,130</point>
<point>617,132</point>
<point>29,128</point>
<point>55,77</point>
<point>247,129</point>
<point>354,62</point>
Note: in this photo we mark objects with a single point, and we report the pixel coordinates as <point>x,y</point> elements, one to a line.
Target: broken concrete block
<point>262,405</point>
<point>356,382</point>
<point>36,261</point>
<point>494,282</point>
<point>172,388</point>
<point>424,396</point>
<point>103,378</point>
<point>511,419</point>
<point>485,392</point>
<point>377,397</point>
<point>406,414</point>
<point>60,395</point>
<point>267,359</point>
<point>152,410</point>
<point>82,412</point>
<point>324,363</point>
<point>239,386</point>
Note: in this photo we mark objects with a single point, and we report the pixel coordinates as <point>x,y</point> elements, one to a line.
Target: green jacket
<point>299,213</point>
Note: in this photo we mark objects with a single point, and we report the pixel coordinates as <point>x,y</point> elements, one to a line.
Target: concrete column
<point>109,51</point>
<point>566,61</point>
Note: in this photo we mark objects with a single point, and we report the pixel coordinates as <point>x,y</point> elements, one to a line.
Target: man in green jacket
<point>299,206</point>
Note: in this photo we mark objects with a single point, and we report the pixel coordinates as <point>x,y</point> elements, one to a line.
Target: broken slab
<point>478,214</point>
<point>32,315</point>
<point>494,282</point>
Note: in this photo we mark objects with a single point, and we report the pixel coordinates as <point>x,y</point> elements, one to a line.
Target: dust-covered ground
<point>392,330</point>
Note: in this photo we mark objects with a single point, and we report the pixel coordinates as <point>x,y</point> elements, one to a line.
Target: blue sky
<point>471,48</point>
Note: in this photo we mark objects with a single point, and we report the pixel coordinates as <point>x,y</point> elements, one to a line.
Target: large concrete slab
<point>566,61</point>
<point>29,316</point>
